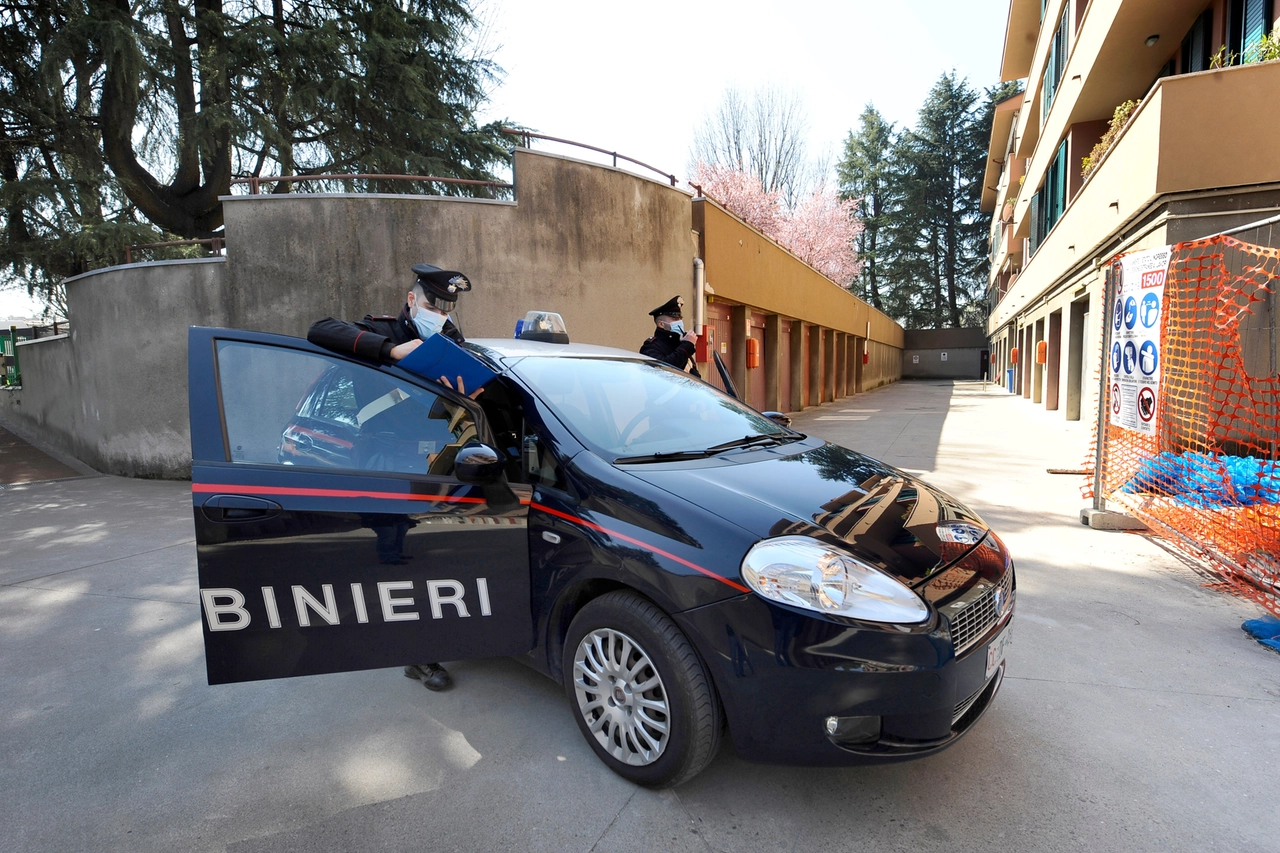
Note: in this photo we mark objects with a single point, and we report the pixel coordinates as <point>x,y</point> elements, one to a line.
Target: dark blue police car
<point>674,558</point>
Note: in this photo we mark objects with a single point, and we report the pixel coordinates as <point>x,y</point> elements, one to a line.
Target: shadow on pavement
<point>1133,709</point>
<point>22,463</point>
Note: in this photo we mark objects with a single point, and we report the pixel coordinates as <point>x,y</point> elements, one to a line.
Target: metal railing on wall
<point>11,338</point>
<point>255,183</point>
<point>215,245</point>
<point>526,137</point>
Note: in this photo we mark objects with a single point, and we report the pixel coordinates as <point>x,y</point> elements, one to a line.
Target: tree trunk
<point>193,212</point>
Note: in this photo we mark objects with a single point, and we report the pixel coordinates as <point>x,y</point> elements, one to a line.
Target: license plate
<point>997,649</point>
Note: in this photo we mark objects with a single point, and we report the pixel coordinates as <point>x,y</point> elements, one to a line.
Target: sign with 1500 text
<point>1137,316</point>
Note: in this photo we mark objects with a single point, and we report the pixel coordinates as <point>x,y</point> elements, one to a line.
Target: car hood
<point>880,514</point>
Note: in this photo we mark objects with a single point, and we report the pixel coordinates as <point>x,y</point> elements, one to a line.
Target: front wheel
<point>639,692</point>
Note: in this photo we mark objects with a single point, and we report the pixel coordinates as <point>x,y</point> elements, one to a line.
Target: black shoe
<point>432,675</point>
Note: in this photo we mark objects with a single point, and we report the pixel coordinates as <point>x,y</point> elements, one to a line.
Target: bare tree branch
<point>762,134</point>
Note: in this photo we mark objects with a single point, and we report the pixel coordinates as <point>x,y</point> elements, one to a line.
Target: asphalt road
<point>1136,715</point>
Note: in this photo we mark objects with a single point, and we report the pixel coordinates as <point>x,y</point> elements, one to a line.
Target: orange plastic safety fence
<point>1208,479</point>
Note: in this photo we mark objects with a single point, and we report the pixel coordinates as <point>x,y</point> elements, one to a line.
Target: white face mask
<point>428,322</point>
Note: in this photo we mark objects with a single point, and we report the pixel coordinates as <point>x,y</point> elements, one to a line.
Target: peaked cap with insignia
<point>444,285</point>
<point>671,308</point>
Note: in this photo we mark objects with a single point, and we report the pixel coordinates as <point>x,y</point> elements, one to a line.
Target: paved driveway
<point>1136,715</point>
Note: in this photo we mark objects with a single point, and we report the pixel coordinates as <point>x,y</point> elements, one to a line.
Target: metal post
<point>1099,503</point>
<point>13,343</point>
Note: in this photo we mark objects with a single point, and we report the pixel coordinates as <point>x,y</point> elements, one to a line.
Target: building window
<point>1247,25</point>
<point>1050,201</point>
<point>1196,51</point>
<point>1055,65</point>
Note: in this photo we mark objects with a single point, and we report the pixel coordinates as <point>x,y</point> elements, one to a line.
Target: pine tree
<point>952,153</point>
<point>864,175</point>
<point>909,241</point>
<point>123,121</point>
<point>924,248</point>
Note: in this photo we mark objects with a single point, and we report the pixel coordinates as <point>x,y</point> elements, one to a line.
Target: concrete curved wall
<point>599,245</point>
<point>113,393</point>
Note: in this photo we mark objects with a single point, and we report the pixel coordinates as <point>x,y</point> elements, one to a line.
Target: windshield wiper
<point>747,441</point>
<point>664,456</point>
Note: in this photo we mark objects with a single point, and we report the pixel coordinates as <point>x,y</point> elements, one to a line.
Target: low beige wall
<point>600,246</point>
<point>114,392</point>
<point>746,267</point>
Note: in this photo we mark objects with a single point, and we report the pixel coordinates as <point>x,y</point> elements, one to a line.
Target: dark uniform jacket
<point>667,347</point>
<point>373,337</point>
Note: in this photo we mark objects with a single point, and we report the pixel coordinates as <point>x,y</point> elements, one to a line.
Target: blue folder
<point>439,356</point>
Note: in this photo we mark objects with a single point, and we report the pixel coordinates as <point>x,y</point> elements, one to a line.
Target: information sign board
<point>1136,317</point>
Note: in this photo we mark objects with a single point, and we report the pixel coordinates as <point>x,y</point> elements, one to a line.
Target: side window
<point>337,401</point>
<point>284,407</point>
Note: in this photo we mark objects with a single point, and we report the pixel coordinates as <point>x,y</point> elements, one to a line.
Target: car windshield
<point>636,409</point>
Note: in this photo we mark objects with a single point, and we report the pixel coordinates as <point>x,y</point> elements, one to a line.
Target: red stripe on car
<point>204,488</point>
<point>644,545</point>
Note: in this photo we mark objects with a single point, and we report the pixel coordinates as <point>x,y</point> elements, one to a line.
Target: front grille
<point>971,624</point>
<point>962,707</point>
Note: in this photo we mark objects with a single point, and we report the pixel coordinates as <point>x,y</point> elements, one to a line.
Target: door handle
<point>236,508</point>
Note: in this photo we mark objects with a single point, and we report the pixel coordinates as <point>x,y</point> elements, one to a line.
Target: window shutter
<point>1247,25</point>
<point>1055,64</point>
<point>1195,47</point>
<point>1059,178</point>
<point>1064,33</point>
<point>1255,23</point>
<point>1034,214</point>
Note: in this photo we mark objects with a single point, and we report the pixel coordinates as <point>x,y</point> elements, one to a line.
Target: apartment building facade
<point>1198,154</point>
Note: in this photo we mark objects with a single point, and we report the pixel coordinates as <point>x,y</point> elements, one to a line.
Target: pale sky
<point>638,78</point>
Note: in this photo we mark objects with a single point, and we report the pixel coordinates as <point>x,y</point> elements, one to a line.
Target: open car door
<point>332,533</point>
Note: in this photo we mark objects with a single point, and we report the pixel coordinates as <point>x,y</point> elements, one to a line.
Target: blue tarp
<point>1265,630</point>
<point>1208,480</point>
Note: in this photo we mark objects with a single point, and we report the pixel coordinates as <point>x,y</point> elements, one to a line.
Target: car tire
<point>630,673</point>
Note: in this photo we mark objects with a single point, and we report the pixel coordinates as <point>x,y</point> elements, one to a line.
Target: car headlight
<point>804,572</point>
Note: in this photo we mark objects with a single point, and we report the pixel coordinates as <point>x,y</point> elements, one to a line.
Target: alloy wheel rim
<point>621,697</point>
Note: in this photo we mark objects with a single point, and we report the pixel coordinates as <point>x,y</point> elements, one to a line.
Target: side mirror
<point>478,463</point>
<point>778,418</point>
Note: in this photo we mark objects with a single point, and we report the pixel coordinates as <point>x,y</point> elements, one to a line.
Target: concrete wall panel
<point>745,266</point>
<point>114,393</point>
<point>963,363</point>
<point>599,245</point>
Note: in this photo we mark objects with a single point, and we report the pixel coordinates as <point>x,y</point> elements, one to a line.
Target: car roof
<point>510,350</point>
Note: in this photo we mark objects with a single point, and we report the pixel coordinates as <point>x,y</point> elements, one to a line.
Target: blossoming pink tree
<point>821,230</point>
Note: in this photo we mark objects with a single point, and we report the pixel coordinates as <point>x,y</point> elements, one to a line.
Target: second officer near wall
<point>670,342</point>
